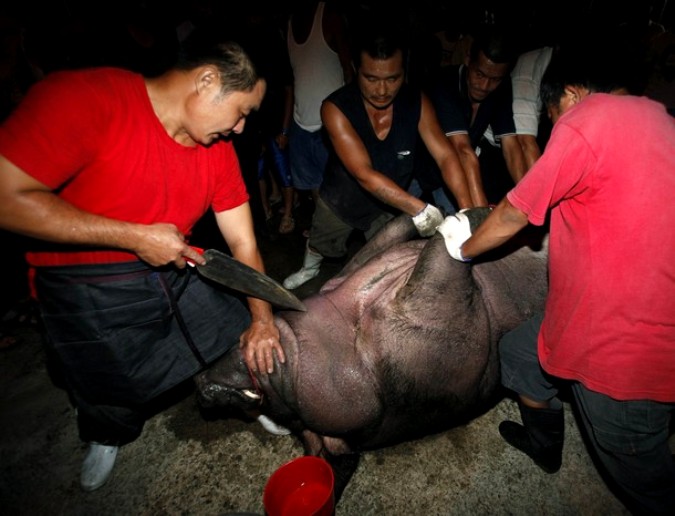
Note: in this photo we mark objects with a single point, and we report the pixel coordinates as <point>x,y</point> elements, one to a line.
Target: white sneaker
<point>272,427</point>
<point>300,278</point>
<point>97,466</point>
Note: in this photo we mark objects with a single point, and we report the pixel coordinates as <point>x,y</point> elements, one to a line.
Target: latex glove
<point>456,229</point>
<point>427,220</point>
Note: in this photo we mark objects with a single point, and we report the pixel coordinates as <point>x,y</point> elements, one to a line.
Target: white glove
<point>456,230</point>
<point>427,220</point>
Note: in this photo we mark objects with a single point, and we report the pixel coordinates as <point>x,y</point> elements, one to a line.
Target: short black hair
<point>236,69</point>
<point>496,42</point>
<point>380,40</point>
<point>601,59</point>
<point>570,67</point>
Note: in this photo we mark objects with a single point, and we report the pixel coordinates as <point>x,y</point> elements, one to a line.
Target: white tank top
<point>316,70</point>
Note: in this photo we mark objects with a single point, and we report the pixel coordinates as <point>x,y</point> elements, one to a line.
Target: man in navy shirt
<point>473,102</point>
<point>374,124</point>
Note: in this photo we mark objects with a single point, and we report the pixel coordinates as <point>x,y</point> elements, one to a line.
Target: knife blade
<point>226,271</point>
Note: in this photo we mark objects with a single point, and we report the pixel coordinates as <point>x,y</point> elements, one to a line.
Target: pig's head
<point>228,383</point>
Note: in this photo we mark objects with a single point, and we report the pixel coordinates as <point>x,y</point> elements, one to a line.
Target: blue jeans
<point>308,156</point>
<point>277,159</point>
<point>629,437</point>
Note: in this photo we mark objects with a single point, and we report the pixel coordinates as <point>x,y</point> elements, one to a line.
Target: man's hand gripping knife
<point>456,229</point>
<point>427,220</point>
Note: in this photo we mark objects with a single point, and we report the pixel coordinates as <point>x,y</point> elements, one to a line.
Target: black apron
<point>125,333</point>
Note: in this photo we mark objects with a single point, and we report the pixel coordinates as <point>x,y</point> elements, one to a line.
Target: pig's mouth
<point>216,395</point>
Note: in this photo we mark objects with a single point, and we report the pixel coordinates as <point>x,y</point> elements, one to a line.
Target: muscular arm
<point>467,157</point>
<point>354,156</point>
<point>261,339</point>
<point>31,208</point>
<point>504,222</point>
<point>514,157</point>
<point>445,155</point>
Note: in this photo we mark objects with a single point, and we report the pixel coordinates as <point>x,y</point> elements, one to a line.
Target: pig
<point>402,343</point>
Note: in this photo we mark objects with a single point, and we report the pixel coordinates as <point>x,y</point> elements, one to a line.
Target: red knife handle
<point>199,250</point>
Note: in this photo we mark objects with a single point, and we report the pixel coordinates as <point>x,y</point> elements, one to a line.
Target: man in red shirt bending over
<point>607,180</point>
<point>110,171</point>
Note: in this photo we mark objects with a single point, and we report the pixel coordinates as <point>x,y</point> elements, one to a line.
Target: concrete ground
<point>190,464</point>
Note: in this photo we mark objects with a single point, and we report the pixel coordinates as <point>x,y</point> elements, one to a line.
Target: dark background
<point>144,36</point>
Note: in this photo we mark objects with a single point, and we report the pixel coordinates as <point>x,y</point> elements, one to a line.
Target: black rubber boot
<point>540,436</point>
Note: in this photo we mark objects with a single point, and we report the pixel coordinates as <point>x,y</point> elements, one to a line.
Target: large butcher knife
<point>233,274</point>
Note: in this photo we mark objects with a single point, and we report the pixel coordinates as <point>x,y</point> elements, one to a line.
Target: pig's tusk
<point>250,394</point>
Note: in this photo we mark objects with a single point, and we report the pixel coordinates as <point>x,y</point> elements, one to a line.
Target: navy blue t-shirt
<point>394,156</point>
<point>453,108</point>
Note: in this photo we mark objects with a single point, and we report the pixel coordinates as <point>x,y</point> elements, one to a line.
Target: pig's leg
<point>342,459</point>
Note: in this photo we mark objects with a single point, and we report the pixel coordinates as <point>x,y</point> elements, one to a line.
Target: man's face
<point>213,115</point>
<point>484,76</point>
<point>380,80</point>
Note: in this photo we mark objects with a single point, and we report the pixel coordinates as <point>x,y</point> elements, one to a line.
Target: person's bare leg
<point>275,194</point>
<point>262,184</point>
<point>287,224</point>
<point>528,402</point>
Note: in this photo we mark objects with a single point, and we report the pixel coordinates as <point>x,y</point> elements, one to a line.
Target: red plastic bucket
<point>301,487</point>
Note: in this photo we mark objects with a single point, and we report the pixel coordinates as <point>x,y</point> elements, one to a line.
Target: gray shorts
<point>521,370</point>
<point>329,233</point>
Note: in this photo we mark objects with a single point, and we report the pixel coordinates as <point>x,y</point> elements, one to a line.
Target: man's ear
<point>576,93</point>
<point>207,78</point>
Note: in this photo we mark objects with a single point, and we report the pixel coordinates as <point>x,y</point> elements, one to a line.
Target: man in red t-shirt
<point>607,178</point>
<point>111,170</point>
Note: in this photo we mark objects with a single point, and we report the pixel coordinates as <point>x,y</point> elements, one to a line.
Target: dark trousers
<point>630,438</point>
<point>126,335</point>
<point>495,175</point>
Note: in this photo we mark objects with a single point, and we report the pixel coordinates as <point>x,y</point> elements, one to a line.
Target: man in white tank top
<point>319,54</point>
<point>525,79</point>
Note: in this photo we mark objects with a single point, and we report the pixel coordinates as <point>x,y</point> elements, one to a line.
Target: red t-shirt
<point>608,176</point>
<point>92,136</point>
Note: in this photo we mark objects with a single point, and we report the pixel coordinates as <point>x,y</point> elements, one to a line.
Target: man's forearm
<point>387,191</point>
<point>471,168</point>
<point>504,222</point>
<point>43,215</point>
<point>456,180</point>
<point>514,157</point>
<point>31,208</point>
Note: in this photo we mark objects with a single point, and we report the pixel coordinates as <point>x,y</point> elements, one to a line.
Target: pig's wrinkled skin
<point>401,344</point>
